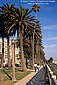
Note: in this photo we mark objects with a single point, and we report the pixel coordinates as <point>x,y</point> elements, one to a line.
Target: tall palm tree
<point>42,55</point>
<point>30,36</point>
<point>35,8</point>
<point>2,58</point>
<point>21,18</point>
<point>6,11</point>
<point>38,38</point>
<point>5,18</point>
<point>3,35</point>
<point>27,49</point>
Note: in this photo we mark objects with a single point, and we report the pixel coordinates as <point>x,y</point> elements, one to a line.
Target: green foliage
<point>55,72</point>
<point>50,60</point>
<point>20,20</point>
<point>35,7</point>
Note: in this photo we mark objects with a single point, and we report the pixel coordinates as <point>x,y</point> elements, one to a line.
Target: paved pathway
<point>38,79</point>
<point>27,78</point>
<point>34,78</point>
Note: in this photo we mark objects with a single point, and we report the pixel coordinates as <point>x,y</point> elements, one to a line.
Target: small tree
<point>50,60</point>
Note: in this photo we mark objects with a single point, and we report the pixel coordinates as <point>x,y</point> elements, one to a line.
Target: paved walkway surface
<point>27,78</point>
<point>34,78</point>
<point>38,79</point>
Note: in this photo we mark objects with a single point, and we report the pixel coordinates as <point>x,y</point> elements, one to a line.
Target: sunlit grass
<point>19,74</point>
<point>29,67</point>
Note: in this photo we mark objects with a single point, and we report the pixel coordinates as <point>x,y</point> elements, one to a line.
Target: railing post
<point>52,78</point>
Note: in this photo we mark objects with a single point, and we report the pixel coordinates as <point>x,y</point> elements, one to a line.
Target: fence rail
<point>52,77</point>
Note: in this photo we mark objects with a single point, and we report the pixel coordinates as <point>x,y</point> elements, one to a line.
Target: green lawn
<point>7,75</point>
<point>29,67</point>
<point>7,82</point>
<point>55,72</point>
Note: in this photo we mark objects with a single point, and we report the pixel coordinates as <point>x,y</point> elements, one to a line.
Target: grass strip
<point>6,73</point>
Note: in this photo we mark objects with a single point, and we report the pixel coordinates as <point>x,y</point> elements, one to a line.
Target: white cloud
<point>50,27</point>
<point>49,46</point>
<point>51,38</point>
<point>51,53</point>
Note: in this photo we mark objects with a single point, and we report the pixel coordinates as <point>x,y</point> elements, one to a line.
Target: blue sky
<point>48,20</point>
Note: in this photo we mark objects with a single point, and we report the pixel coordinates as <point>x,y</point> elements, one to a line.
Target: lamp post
<point>13,76</point>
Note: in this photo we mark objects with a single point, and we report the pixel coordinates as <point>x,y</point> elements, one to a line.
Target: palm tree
<point>38,42</point>
<point>4,26</point>
<point>42,55</point>
<point>21,18</point>
<point>40,49</point>
<point>27,49</point>
<point>35,8</point>
<point>3,35</point>
<point>30,36</point>
<point>6,11</point>
<point>2,60</point>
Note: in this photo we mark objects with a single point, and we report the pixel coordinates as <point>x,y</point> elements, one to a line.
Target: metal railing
<point>52,77</point>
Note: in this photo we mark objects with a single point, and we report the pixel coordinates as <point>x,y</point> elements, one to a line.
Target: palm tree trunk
<point>26,63</point>
<point>18,55</point>
<point>8,53</point>
<point>22,54</point>
<point>37,41</point>
<point>33,52</point>
<point>2,60</point>
<point>14,52</point>
<point>37,52</point>
<point>30,61</point>
<point>33,44</point>
<point>39,55</point>
<point>13,63</point>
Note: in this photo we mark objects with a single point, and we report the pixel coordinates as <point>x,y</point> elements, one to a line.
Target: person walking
<point>35,65</point>
<point>38,66</point>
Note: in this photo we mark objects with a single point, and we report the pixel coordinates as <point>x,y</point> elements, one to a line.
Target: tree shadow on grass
<point>20,70</point>
<point>7,74</point>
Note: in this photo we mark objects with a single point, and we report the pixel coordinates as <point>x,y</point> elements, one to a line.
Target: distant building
<point>6,51</point>
<point>55,63</point>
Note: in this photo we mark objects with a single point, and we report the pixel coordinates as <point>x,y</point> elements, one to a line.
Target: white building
<point>6,51</point>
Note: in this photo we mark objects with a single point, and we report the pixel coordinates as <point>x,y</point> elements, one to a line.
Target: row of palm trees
<point>28,29</point>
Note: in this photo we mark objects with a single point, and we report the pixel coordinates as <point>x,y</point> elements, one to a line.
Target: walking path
<point>38,79</point>
<point>34,78</point>
<point>27,78</point>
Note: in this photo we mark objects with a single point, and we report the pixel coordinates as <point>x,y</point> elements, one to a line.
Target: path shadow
<point>32,78</point>
<point>7,74</point>
<point>31,71</point>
